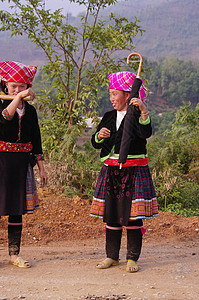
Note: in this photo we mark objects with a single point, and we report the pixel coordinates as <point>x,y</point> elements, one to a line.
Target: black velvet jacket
<point>30,132</point>
<point>138,143</point>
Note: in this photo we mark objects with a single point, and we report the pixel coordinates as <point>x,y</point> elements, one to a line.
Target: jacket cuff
<point>97,140</point>
<point>146,122</point>
<point>39,156</point>
<point>6,115</point>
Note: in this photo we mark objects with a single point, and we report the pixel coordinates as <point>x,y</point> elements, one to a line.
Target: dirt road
<point>66,270</point>
<point>64,244</point>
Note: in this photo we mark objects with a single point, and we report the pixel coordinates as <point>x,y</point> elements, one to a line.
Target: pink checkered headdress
<point>123,81</point>
<point>12,71</point>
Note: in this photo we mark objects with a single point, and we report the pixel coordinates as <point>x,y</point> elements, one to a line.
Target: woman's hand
<point>16,102</point>
<point>42,173</point>
<point>25,93</point>
<point>104,133</point>
<point>43,177</point>
<point>142,108</point>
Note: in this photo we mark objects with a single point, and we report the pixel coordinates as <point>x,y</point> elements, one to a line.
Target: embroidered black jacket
<point>21,132</point>
<point>138,144</point>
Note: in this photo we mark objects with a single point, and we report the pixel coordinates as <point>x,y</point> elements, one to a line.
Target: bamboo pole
<point>8,97</point>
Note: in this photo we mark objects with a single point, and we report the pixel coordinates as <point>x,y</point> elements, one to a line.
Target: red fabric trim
<point>15,147</point>
<point>128,163</point>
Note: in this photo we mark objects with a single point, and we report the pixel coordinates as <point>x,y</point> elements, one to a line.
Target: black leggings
<point>134,240</point>
<point>14,234</point>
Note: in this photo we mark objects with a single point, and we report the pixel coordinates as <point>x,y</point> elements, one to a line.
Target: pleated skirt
<point>124,195</point>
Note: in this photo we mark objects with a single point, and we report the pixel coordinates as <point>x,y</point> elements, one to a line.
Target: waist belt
<point>128,163</point>
<point>15,147</point>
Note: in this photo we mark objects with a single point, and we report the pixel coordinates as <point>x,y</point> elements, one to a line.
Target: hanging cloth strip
<point>128,163</point>
<point>15,147</point>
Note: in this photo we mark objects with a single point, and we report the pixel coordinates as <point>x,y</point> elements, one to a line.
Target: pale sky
<point>68,7</point>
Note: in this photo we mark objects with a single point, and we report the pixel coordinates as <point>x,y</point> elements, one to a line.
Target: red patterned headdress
<point>12,71</point>
<point>123,81</point>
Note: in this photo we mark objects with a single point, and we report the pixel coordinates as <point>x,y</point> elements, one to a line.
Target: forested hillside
<point>20,49</point>
<point>172,29</point>
<point>172,26</point>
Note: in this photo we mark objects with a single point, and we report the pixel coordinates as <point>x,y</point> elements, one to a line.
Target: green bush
<point>178,209</point>
<point>176,193</point>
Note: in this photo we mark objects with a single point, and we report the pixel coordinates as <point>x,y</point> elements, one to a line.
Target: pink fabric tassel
<point>143,230</point>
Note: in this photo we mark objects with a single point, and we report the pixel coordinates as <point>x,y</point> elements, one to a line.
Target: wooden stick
<point>8,97</point>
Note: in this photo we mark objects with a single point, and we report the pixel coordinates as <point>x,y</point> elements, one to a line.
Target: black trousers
<point>14,234</point>
<point>134,240</point>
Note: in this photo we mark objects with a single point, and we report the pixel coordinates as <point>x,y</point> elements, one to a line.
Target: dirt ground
<point>63,244</point>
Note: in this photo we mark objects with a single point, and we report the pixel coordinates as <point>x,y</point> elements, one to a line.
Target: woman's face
<point>15,87</point>
<point>119,99</point>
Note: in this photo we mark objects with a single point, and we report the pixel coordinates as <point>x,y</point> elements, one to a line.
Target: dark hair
<point>3,87</point>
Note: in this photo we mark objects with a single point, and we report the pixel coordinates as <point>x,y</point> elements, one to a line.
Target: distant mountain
<point>19,49</point>
<point>172,29</point>
<point>172,26</point>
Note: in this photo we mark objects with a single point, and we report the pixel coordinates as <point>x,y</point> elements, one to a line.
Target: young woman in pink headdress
<point>20,146</point>
<point>123,196</point>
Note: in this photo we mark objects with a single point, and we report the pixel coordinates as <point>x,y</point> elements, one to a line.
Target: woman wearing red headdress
<point>123,196</point>
<point>20,147</point>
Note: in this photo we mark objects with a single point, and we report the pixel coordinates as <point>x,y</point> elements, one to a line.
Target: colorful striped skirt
<point>32,201</point>
<point>124,195</point>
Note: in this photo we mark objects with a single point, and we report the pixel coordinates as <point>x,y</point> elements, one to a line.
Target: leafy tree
<point>78,57</point>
